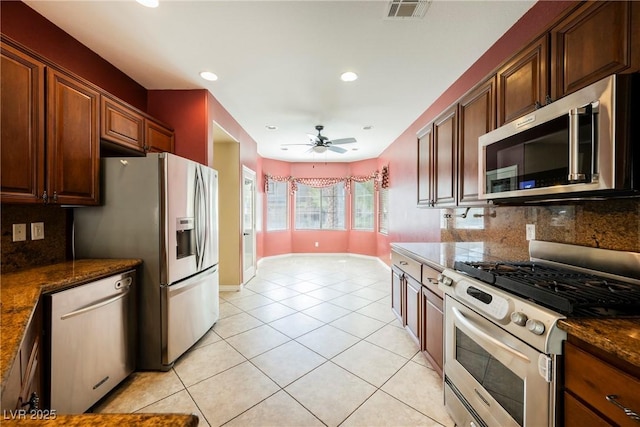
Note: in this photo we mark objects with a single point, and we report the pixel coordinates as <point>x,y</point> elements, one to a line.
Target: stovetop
<point>569,292</point>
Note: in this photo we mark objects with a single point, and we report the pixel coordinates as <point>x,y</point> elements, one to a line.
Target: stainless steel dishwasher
<point>91,338</point>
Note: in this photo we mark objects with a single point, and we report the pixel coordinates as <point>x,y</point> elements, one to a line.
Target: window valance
<point>376,176</point>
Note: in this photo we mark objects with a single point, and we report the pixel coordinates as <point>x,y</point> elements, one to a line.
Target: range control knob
<point>535,326</point>
<point>519,318</point>
<point>447,281</point>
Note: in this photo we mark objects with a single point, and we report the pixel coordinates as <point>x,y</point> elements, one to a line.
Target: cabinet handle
<point>45,197</point>
<point>55,197</point>
<point>628,412</point>
<point>404,263</point>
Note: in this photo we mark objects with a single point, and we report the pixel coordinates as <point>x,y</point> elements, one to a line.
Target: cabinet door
<point>21,126</point>
<point>445,158</point>
<point>476,117</point>
<point>413,312</point>
<point>158,138</point>
<point>433,335</point>
<point>121,124</point>
<point>425,197</point>
<point>72,141</point>
<point>592,43</point>
<point>523,82</point>
<point>396,293</point>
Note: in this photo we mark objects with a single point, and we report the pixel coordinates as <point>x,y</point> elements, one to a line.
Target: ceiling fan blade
<point>343,141</point>
<point>312,138</point>
<point>337,149</point>
<point>307,144</point>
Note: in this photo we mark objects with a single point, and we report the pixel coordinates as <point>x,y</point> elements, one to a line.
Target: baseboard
<point>345,254</point>
<point>231,288</point>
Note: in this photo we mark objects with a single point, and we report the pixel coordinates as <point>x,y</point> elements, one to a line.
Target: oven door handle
<point>476,330</point>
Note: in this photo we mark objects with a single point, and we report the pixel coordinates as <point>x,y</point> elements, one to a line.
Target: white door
<point>248,224</point>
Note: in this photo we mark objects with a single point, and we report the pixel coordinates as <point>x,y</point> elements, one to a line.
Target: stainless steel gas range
<point>503,348</point>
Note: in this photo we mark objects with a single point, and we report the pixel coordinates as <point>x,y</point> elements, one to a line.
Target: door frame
<point>248,271</point>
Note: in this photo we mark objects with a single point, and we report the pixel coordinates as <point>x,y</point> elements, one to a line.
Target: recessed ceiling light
<point>271,127</point>
<point>208,75</point>
<point>284,148</point>
<point>149,3</point>
<point>349,76</point>
<point>354,149</point>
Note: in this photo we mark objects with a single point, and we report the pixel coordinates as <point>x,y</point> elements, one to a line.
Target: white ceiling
<point>279,62</point>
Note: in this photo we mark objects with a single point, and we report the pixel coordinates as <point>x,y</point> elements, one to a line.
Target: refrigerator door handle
<point>198,219</point>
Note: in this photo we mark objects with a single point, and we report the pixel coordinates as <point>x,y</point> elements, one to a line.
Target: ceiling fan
<point>320,143</point>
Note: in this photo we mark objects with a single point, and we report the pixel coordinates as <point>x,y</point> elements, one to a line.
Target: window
<point>383,210</point>
<point>320,208</point>
<point>363,205</point>
<point>277,206</point>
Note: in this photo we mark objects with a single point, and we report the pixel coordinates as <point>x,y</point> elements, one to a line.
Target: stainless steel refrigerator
<point>162,209</point>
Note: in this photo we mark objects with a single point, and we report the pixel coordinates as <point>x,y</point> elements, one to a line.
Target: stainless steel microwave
<point>583,145</point>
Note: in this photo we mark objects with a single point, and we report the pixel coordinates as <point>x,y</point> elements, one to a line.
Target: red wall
<point>186,111</point>
<point>26,26</point>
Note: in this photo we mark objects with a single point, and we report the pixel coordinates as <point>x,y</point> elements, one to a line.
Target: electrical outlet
<point>531,232</point>
<point>19,232</point>
<point>37,230</point>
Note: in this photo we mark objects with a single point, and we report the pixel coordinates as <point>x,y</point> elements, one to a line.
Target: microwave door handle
<point>574,145</point>
<point>477,331</point>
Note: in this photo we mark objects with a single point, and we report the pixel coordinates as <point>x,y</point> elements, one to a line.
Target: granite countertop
<point>619,337</point>
<point>21,290</point>
<point>443,255</point>
<point>109,420</point>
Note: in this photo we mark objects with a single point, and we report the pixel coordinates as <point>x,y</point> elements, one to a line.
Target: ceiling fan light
<point>319,148</point>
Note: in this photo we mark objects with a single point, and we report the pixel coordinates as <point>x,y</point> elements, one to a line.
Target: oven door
<point>491,374</point>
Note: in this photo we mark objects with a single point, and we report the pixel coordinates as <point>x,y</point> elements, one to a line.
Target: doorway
<point>248,224</point>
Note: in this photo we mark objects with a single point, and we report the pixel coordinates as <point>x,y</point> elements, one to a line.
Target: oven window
<point>502,384</point>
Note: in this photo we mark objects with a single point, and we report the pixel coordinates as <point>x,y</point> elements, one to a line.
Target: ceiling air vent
<point>407,9</point>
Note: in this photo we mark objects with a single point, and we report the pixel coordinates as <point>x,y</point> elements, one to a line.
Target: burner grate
<point>563,290</point>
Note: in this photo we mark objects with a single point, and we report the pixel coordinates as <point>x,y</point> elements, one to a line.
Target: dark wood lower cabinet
<point>414,308</point>
<point>396,293</point>
<point>432,326</point>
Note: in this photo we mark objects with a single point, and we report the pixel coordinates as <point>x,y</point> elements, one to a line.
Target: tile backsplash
<point>607,224</point>
<point>30,253</point>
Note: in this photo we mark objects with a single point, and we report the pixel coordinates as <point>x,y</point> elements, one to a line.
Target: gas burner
<point>564,290</point>
<point>554,285</point>
<point>605,284</point>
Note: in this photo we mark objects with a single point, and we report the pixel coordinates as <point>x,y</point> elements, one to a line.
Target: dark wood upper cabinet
<point>425,197</point>
<point>476,116</point>
<point>445,168</point>
<point>121,124</point>
<point>596,40</point>
<point>523,81</point>
<point>158,137</point>
<point>21,126</point>
<point>73,143</point>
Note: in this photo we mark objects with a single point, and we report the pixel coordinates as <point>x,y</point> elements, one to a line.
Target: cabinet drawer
<point>411,267</point>
<point>592,379</point>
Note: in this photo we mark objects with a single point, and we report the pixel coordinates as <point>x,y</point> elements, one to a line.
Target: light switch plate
<point>19,232</point>
<point>37,230</point>
<point>531,232</point>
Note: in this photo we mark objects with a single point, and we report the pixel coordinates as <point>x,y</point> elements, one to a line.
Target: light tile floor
<point>310,341</point>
